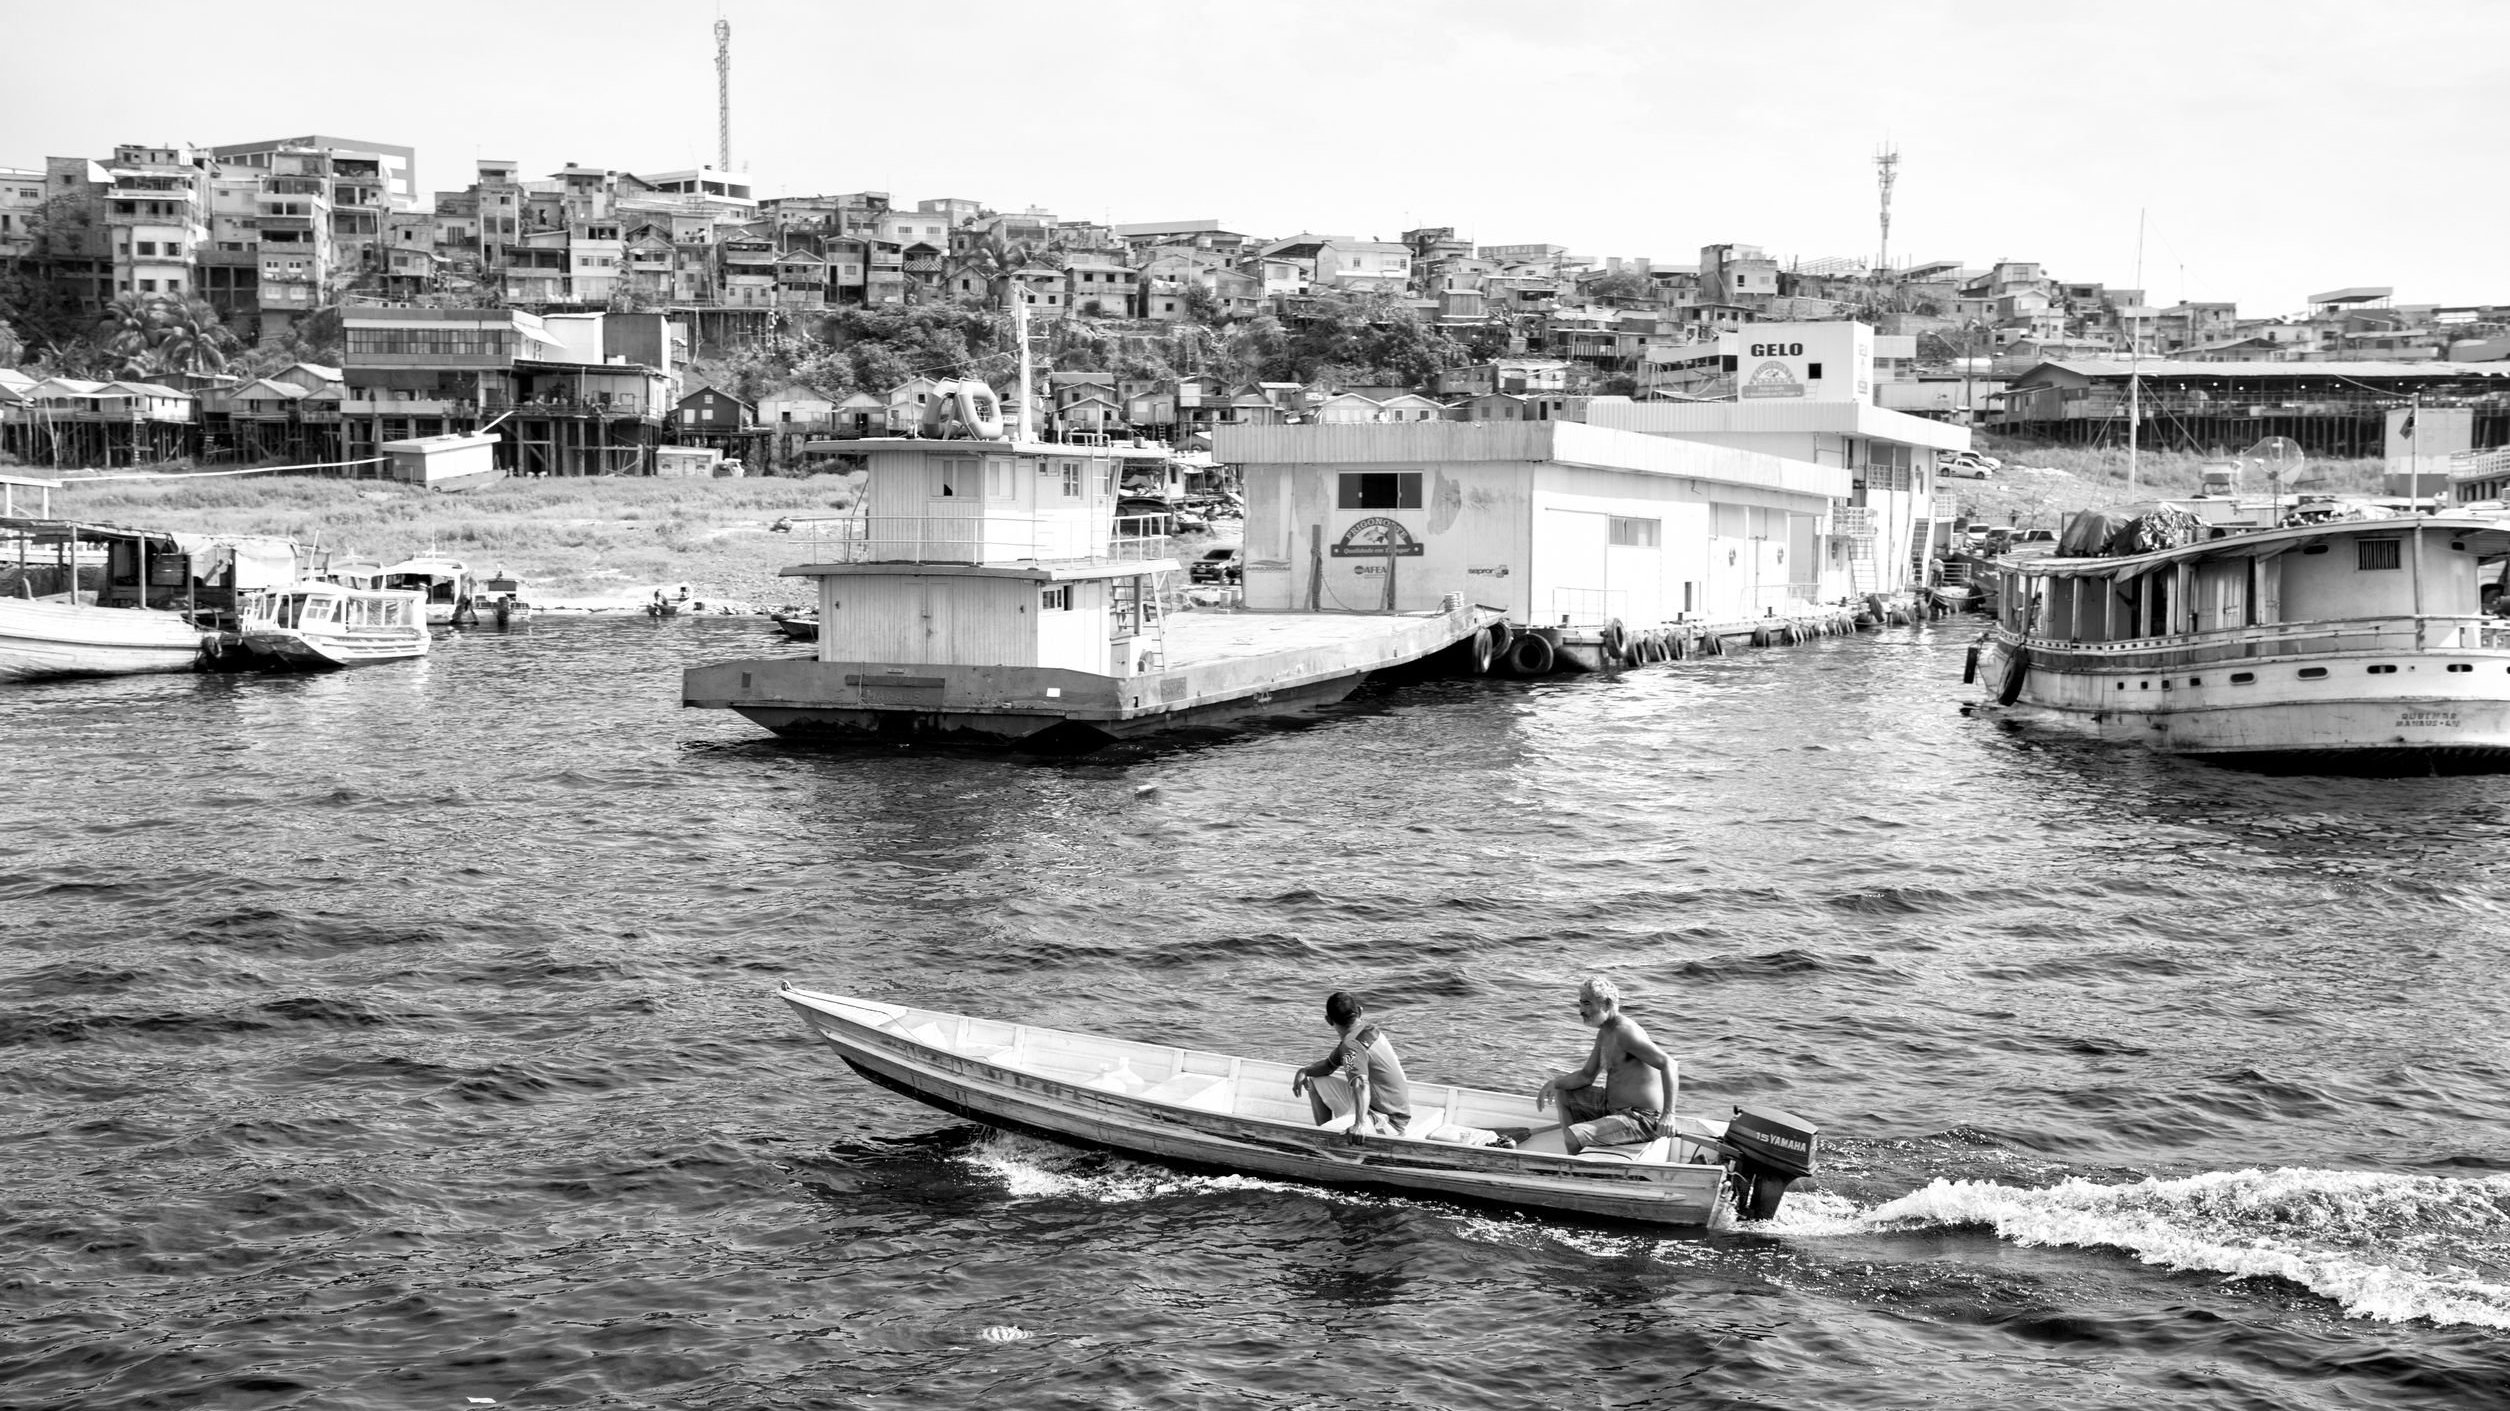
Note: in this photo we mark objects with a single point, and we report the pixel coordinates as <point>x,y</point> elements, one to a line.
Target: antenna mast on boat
<point>2135,357</point>
<point>1021,427</point>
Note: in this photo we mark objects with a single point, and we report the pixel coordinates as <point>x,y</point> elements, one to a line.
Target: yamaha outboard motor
<point>1771,1149</point>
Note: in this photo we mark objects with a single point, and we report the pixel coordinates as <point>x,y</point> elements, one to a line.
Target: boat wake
<point>1032,1168</point>
<point>2384,1246</point>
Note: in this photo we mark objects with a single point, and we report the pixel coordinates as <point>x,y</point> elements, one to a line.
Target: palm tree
<point>126,331</point>
<point>191,338</point>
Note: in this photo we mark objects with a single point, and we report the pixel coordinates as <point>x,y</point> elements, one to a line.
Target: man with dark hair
<point>1381,1097</point>
<point>1620,1094</point>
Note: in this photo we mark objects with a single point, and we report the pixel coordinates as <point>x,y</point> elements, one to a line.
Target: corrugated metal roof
<point>2157,367</point>
<point>1776,416</point>
<point>1552,442</point>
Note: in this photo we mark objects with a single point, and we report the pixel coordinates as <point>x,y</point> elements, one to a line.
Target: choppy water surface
<point>404,1038</point>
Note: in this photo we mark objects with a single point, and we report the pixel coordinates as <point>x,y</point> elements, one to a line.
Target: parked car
<point>1218,563</point>
<point>1970,465</point>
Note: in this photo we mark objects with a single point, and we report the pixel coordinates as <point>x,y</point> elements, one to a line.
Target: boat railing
<point>975,539</point>
<point>2338,636</point>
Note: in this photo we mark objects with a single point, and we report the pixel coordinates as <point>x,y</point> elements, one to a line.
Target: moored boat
<point>447,586</point>
<point>1239,1114</point>
<point>54,637</point>
<point>2354,643</point>
<point>499,599</point>
<point>797,626</point>
<point>319,626</point>
<point>79,599</point>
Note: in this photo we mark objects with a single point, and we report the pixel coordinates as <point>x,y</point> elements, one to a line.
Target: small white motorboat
<point>319,626</point>
<point>446,584</point>
<point>1212,1109</point>
<point>500,600</point>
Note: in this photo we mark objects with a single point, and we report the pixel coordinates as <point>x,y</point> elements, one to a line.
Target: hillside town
<point>307,299</point>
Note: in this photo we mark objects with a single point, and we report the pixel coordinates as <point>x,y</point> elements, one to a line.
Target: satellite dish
<point>2281,458</point>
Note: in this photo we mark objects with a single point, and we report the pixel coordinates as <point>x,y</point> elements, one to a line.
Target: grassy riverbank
<point>569,540</point>
<point>2040,485</point>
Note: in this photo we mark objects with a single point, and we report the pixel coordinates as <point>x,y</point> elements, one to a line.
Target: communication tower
<point>1886,171</point>
<point>723,95</point>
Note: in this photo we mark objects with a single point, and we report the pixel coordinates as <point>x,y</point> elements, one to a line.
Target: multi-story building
<point>21,198</point>
<point>1737,275</point>
<point>391,170</point>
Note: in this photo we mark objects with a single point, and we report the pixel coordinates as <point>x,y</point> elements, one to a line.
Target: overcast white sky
<point>2275,147</point>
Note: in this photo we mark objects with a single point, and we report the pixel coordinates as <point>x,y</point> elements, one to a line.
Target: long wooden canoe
<point>1211,1109</point>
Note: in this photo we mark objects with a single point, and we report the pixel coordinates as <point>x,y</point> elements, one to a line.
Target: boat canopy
<point>2486,538</point>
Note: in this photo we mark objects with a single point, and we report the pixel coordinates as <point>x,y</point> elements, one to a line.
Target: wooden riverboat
<point>2357,643</point>
<point>1238,1114</point>
<point>321,626</point>
<point>159,600</point>
<point>49,637</point>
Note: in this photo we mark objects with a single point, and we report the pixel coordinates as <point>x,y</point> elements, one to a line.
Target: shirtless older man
<point>1619,1094</point>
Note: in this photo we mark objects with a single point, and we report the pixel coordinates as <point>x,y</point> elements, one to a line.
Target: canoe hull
<point>1662,1194</point>
<point>47,639</point>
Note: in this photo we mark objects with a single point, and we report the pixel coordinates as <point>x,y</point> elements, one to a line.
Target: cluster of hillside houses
<point>562,311</point>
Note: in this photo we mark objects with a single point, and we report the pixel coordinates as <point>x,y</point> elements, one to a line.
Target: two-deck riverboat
<point>1239,1114</point>
<point>2354,643</point>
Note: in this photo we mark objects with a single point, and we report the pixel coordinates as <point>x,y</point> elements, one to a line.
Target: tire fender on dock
<point>1530,656</point>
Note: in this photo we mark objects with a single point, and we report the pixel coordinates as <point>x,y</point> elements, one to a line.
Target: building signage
<point>1377,537</point>
<point>1772,379</point>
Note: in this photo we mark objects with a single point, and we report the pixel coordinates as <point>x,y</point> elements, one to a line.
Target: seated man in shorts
<point>1618,1096</point>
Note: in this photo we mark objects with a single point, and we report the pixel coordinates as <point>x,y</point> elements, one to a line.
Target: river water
<point>406,1038</point>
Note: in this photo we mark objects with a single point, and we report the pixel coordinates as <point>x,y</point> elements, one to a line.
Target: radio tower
<point>723,95</point>
<point>1886,171</point>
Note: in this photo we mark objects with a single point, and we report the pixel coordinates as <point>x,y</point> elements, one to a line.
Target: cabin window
<point>2243,678</point>
<point>1634,533</point>
<point>2381,670</point>
<point>1071,480</point>
<point>955,478</point>
<point>2378,553</point>
<point>998,479</point>
<point>2313,673</point>
<point>1055,599</point>
<point>1380,490</point>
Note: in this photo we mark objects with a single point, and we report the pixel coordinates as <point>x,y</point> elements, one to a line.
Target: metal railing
<point>2285,639</point>
<point>977,538</point>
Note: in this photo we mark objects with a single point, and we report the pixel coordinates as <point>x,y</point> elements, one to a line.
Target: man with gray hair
<point>1636,1084</point>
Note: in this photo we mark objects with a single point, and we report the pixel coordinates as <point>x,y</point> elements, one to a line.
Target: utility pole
<point>723,95</point>
<point>1886,171</point>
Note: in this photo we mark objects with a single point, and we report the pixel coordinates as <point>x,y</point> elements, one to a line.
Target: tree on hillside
<point>191,338</point>
<point>12,351</point>
<point>123,333</point>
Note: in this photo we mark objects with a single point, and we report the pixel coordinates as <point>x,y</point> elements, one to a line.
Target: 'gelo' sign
<point>1377,537</point>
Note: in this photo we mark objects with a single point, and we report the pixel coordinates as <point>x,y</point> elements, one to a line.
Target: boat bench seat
<point>1659,1150</point>
<point>1205,1092</point>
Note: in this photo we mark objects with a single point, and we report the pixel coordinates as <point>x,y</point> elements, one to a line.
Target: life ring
<point>1530,656</point>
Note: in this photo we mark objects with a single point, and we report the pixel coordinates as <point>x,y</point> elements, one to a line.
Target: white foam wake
<point>1031,1168</point>
<point>2381,1245</point>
